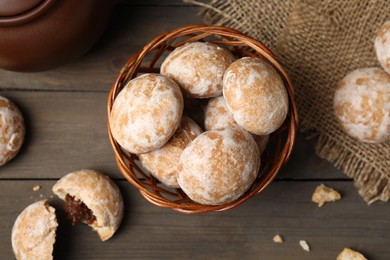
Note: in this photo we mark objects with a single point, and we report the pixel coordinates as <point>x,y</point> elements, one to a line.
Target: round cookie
<point>146,113</point>
<point>219,166</point>
<point>90,192</point>
<point>217,115</point>
<point>255,95</point>
<point>11,130</point>
<point>198,68</point>
<point>382,46</point>
<point>362,105</point>
<point>34,231</point>
<point>162,163</point>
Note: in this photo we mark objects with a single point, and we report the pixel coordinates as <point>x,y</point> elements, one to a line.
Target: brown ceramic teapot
<point>37,35</point>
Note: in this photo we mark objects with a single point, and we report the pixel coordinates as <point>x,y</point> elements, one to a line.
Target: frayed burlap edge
<point>266,32</point>
<point>371,184</point>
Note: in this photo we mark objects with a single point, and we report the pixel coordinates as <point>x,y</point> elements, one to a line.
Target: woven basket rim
<point>233,38</point>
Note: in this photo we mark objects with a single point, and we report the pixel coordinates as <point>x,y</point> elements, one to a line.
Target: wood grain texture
<point>245,232</point>
<point>67,131</point>
<point>65,112</point>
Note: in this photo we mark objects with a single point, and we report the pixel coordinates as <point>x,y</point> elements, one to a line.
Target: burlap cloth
<point>319,42</point>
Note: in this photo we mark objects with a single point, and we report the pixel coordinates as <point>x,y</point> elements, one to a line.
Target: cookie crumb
<point>305,246</point>
<point>41,195</point>
<point>278,239</point>
<point>349,254</point>
<point>37,188</point>
<point>323,194</point>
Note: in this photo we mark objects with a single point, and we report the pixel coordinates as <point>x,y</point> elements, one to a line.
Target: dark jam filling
<point>77,211</point>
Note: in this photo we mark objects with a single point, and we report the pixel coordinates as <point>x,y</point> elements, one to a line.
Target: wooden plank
<point>67,131</point>
<point>305,164</point>
<point>245,232</point>
<point>130,29</point>
<point>65,111</point>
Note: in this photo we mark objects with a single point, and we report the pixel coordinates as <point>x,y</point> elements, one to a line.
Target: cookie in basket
<point>198,68</point>
<point>219,166</point>
<point>256,96</point>
<point>217,115</point>
<point>162,163</point>
<point>146,113</point>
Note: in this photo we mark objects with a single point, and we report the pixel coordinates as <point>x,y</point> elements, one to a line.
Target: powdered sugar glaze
<point>198,68</point>
<point>255,95</point>
<point>146,113</point>
<point>362,104</point>
<point>219,166</point>
<point>12,130</point>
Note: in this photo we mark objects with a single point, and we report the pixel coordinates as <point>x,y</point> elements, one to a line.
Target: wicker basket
<point>146,60</point>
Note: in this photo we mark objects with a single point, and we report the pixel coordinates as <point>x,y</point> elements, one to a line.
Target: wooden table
<point>65,112</point>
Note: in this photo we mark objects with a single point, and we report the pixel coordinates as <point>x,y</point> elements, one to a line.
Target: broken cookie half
<point>92,198</point>
<point>34,231</point>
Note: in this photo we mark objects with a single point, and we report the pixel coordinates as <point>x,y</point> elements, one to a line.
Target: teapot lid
<point>15,7</point>
<point>16,12</point>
